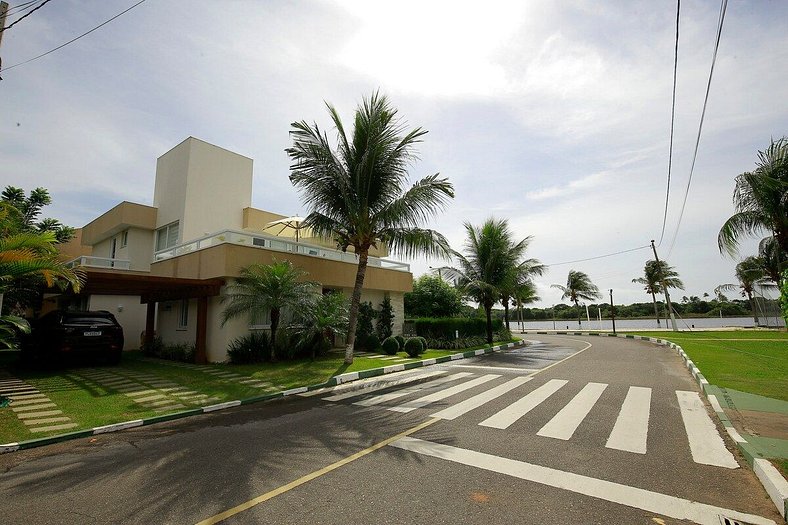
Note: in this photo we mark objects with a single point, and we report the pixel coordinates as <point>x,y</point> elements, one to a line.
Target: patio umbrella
<point>292,223</point>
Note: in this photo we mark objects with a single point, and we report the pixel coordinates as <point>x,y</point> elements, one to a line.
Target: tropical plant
<point>262,287</point>
<point>432,297</point>
<point>357,193</point>
<point>784,297</point>
<point>524,293</point>
<point>30,208</point>
<point>10,327</point>
<point>658,275</point>
<point>254,347</point>
<point>366,325</point>
<point>519,280</point>
<point>750,273</point>
<point>319,323</point>
<point>492,266</point>
<point>760,199</point>
<point>578,286</point>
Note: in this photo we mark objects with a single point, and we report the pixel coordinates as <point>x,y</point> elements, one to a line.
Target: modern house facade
<point>164,267</point>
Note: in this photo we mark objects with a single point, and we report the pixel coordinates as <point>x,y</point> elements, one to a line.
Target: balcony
<point>88,261</point>
<point>276,244</point>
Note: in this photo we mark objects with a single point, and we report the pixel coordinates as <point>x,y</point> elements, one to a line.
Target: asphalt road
<point>554,433</point>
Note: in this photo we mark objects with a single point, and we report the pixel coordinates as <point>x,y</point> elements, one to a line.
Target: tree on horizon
<point>656,277</point>
<point>578,286</point>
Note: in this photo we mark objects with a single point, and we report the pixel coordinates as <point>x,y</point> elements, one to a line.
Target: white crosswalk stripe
<point>631,429</point>
<point>381,386</point>
<point>506,417</point>
<point>566,421</point>
<point>706,445</point>
<point>384,398</point>
<point>443,394</point>
<point>478,400</point>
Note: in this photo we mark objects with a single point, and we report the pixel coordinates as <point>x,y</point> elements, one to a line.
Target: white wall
<point>129,313</point>
<point>167,323</point>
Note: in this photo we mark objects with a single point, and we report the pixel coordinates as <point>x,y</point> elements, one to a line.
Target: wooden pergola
<point>154,289</point>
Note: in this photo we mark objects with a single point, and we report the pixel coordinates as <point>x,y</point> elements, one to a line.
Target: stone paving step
<point>25,408</point>
<point>32,422</point>
<point>53,427</point>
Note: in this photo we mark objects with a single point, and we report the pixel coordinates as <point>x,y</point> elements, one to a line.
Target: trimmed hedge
<point>390,346</point>
<point>446,327</point>
<point>414,347</point>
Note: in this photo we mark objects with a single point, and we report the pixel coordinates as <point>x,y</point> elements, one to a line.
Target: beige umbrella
<point>293,223</point>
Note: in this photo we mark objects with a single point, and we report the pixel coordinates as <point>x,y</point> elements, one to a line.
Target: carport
<point>154,289</point>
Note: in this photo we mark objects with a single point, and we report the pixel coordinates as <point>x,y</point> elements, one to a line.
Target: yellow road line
<point>309,477</point>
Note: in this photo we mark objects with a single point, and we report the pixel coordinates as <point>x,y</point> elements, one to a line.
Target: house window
<point>260,320</point>
<point>183,315</point>
<point>167,236</point>
<point>124,239</point>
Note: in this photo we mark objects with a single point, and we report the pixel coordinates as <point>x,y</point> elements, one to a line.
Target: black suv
<point>64,335</point>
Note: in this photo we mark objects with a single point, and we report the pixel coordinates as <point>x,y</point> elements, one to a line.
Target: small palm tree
<point>357,193</point>
<point>760,199</point>
<point>325,318</point>
<point>263,287</point>
<point>524,293</point>
<point>492,266</point>
<point>578,286</point>
<point>751,273</point>
<point>521,273</point>
<point>656,277</point>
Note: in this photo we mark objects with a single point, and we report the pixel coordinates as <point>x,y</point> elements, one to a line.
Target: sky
<point>552,115</point>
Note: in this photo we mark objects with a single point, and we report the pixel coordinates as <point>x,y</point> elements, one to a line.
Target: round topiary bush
<point>372,342</point>
<point>390,345</point>
<point>413,347</point>
<point>401,340</point>
<point>423,343</point>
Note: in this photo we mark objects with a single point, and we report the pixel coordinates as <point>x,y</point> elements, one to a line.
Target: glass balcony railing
<point>273,243</point>
<point>88,261</point>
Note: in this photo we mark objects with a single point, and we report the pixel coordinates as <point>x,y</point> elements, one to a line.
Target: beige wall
<point>129,313</point>
<point>74,248</point>
<point>204,187</point>
<point>123,216</point>
<point>167,323</point>
<point>226,260</point>
<point>138,251</point>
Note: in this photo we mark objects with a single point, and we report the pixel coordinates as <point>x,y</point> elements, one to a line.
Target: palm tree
<point>656,277</point>
<point>263,287</point>
<point>318,324</point>
<point>521,273</point>
<point>578,286</point>
<point>492,266</point>
<point>760,199</point>
<point>524,293</point>
<point>751,273</point>
<point>357,193</point>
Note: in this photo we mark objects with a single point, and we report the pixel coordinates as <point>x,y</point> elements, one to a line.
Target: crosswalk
<point>628,433</point>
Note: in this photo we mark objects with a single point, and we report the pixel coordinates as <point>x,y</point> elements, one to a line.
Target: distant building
<point>164,267</point>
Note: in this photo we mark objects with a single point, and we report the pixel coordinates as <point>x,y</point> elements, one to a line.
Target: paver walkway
<point>31,407</point>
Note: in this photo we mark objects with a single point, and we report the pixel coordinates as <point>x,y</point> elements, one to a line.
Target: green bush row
<point>446,328</point>
<point>171,351</point>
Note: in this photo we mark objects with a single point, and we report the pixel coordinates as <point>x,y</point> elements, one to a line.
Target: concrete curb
<point>771,479</point>
<point>334,381</point>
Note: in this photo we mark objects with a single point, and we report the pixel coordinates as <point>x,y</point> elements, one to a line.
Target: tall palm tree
<point>524,293</point>
<point>492,265</point>
<point>263,287</point>
<point>578,286</point>
<point>357,193</point>
<point>521,273</point>
<point>761,200</point>
<point>656,277</point>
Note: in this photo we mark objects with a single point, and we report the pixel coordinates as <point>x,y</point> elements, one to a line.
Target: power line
<point>22,7</point>
<point>15,22</point>
<point>600,256</point>
<point>61,46</point>
<point>720,21</point>
<point>672,120</point>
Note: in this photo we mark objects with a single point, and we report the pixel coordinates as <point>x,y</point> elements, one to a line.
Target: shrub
<point>364,327</point>
<point>413,347</point>
<point>385,322</point>
<point>390,345</point>
<point>446,328</point>
<point>456,344</point>
<point>372,342</point>
<point>423,342</point>
<point>154,348</point>
<point>254,347</point>
<point>401,340</point>
<point>172,352</point>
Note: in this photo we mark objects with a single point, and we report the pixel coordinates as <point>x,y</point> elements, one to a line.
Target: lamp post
<point>612,312</point>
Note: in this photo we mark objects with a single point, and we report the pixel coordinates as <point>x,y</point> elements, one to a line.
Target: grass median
<point>89,403</point>
<point>749,361</point>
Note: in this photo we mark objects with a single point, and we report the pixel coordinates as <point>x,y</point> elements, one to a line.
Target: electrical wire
<point>672,121</point>
<point>600,256</point>
<point>720,21</point>
<point>21,7</point>
<point>61,46</point>
<point>15,22</point>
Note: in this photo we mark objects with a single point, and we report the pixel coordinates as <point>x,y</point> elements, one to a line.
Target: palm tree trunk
<point>506,312</point>
<point>488,311</point>
<point>752,307</point>
<point>274,328</point>
<point>355,299</point>
<point>579,322</point>
<point>656,311</point>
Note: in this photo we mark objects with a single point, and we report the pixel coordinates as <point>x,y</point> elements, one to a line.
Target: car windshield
<point>88,321</point>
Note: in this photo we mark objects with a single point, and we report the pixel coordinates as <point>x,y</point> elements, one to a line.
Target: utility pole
<point>612,312</point>
<point>3,12</point>
<point>667,294</point>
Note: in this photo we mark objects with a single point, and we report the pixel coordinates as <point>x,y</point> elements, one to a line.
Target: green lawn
<point>754,361</point>
<point>89,405</point>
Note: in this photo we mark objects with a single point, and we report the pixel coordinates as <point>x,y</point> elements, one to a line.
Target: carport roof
<point>150,288</point>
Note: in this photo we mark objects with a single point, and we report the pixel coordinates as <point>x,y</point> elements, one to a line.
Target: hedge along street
<point>333,381</point>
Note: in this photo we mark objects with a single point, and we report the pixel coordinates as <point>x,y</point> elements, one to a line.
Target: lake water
<point>648,324</point>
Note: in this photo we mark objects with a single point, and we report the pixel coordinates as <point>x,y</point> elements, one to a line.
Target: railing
<point>278,244</point>
<point>89,261</point>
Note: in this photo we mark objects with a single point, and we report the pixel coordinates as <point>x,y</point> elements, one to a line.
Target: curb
<point>771,479</point>
<point>333,381</point>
